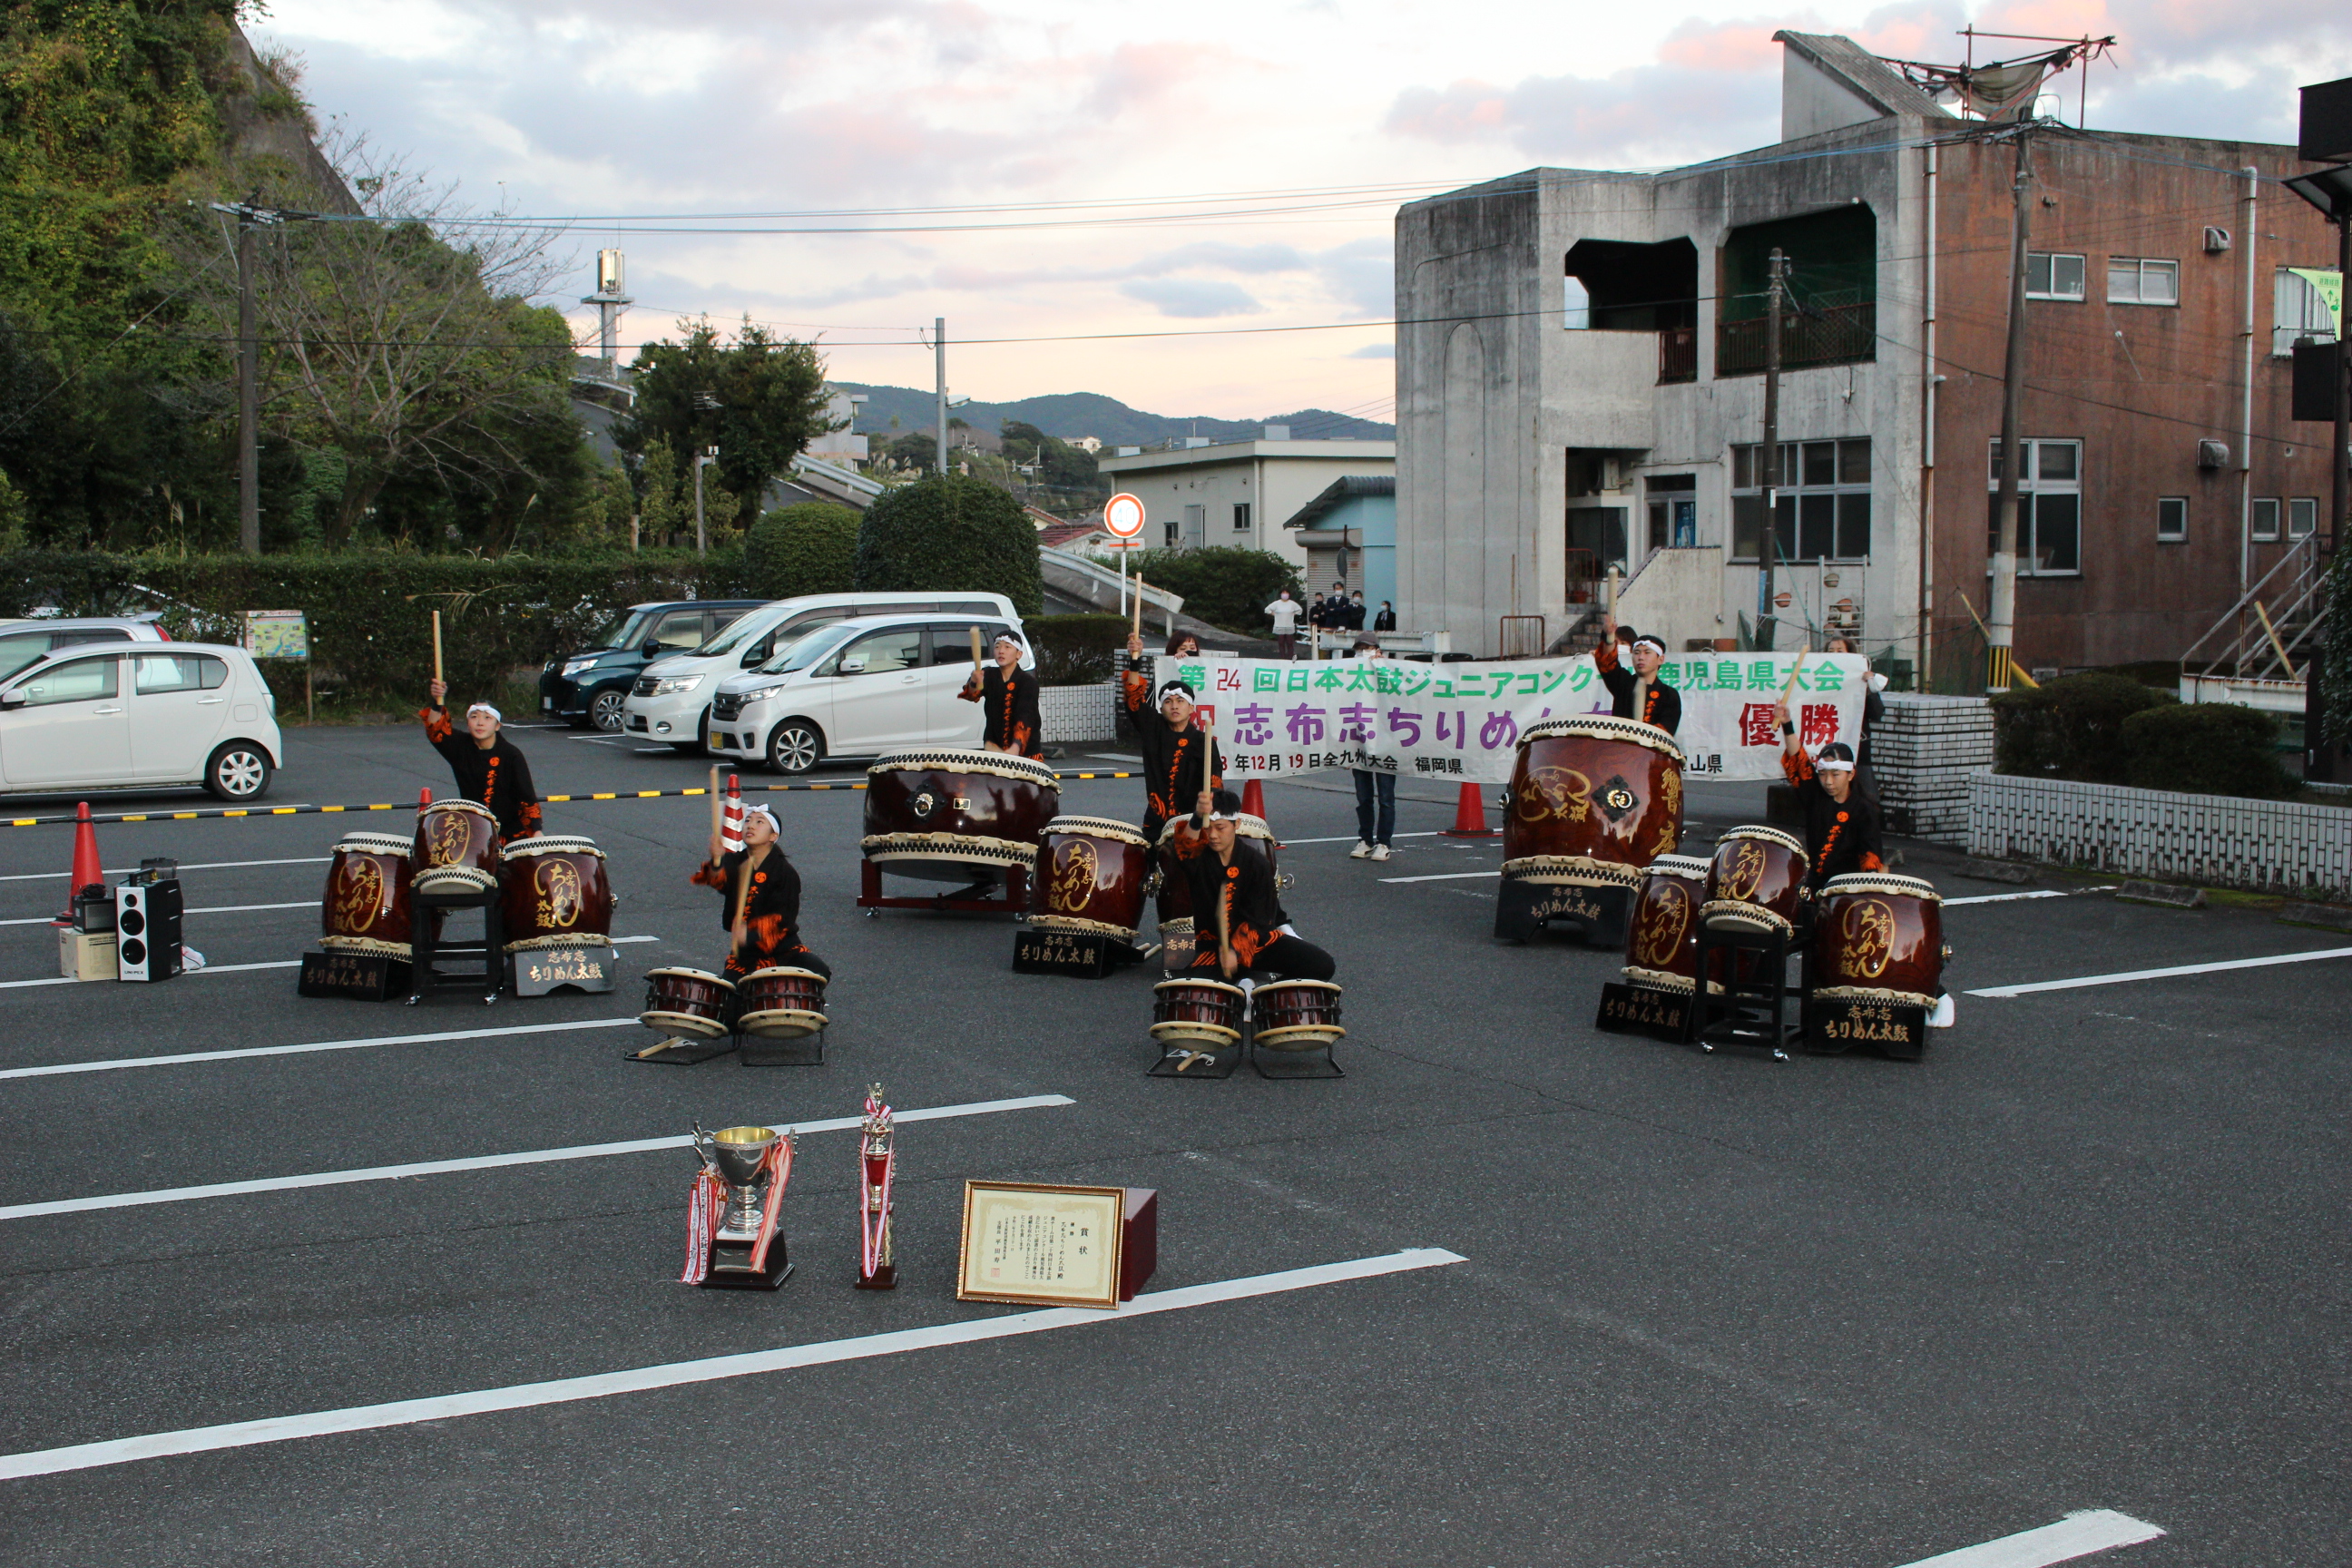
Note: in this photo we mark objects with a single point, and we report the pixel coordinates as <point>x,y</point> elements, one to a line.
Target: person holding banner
<point>1007,696</point>
<point>762,911</point>
<point>1841,821</point>
<point>1178,759</point>
<point>490,770</point>
<point>1637,693</point>
<point>1239,929</point>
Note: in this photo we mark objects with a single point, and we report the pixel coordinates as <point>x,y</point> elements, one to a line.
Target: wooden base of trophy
<point>883,1279</point>
<point>731,1264</point>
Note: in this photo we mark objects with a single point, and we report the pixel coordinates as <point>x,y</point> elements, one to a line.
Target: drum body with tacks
<point>1091,874</point>
<point>456,849</point>
<point>1755,880</point>
<point>1878,937</point>
<point>1594,799</point>
<point>1661,938</point>
<point>1200,1012</point>
<point>948,815</point>
<point>781,1003</point>
<point>553,894</point>
<point>1296,1015</point>
<point>689,1002</point>
<point>1179,938</point>
<point>365,909</point>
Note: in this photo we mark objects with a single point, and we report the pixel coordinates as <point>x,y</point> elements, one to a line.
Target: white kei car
<point>857,689</point>
<point>139,715</point>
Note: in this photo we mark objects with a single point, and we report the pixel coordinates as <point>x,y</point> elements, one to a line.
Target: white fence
<point>1073,714</point>
<point>2213,839</point>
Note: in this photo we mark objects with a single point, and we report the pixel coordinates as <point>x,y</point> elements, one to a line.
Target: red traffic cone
<point>1469,816</point>
<point>87,868</point>
<point>1254,798</point>
<point>423,798</point>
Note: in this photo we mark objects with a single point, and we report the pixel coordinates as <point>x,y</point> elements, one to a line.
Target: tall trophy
<point>878,1161</point>
<point>734,1217</point>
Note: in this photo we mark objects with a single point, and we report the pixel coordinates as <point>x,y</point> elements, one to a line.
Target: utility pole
<point>702,460</point>
<point>2000,630</point>
<point>248,395</point>
<point>940,355</point>
<point>1767,631</point>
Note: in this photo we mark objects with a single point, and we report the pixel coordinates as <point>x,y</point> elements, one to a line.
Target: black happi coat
<point>1009,711</point>
<point>772,915</point>
<point>1176,762</point>
<point>1253,912</point>
<point>1839,837</point>
<point>496,778</point>
<point>1662,705</point>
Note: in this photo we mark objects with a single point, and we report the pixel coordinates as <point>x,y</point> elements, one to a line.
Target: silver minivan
<point>140,715</point>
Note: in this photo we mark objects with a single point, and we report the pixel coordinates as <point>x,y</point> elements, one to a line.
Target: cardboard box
<point>87,954</point>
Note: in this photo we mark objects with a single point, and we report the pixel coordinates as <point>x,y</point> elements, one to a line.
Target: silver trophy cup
<point>738,1152</point>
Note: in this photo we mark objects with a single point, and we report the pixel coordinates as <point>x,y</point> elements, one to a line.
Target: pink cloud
<point>1743,46</point>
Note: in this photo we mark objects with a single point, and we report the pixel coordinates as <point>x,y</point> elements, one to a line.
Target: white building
<point>840,445</point>
<point>1241,493</point>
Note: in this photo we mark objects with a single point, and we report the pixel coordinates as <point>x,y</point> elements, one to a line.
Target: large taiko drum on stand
<point>689,1002</point>
<point>456,849</point>
<point>1593,800</point>
<point>1177,941</point>
<point>1091,877</point>
<point>949,816</point>
<point>1878,938</point>
<point>365,909</point>
<point>552,892</point>
<point>1661,938</point>
<point>783,1003</point>
<point>1756,882</point>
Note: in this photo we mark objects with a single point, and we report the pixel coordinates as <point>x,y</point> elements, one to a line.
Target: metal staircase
<point>2239,658</point>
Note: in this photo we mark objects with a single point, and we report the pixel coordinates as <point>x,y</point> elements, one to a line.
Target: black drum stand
<point>425,979</point>
<point>1751,1012</point>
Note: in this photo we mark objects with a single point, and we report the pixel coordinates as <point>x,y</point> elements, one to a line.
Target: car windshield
<point>811,647</point>
<point>731,637</point>
<point>16,652</point>
<point>627,629</point>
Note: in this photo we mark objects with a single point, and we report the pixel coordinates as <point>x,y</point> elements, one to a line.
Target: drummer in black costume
<point>1255,940</point>
<point>762,911</point>
<point>1638,692</point>
<point>1841,821</point>
<point>1007,695</point>
<point>489,768</point>
<point>1178,757</point>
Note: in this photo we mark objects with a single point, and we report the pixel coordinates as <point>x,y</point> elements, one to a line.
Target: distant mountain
<point>1069,414</point>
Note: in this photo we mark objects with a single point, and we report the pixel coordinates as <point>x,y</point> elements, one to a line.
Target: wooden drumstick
<point>717,806</point>
<point>436,645</point>
<point>1790,686</point>
<point>1609,592</point>
<point>1137,630</point>
<point>975,649</point>
<point>1224,926</point>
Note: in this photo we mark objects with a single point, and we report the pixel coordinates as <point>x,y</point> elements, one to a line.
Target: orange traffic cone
<point>423,798</point>
<point>1469,816</point>
<point>1254,798</point>
<point>87,868</point>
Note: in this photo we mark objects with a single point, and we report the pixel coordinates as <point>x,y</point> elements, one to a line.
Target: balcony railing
<point>1831,334</point>
<point>1677,355</point>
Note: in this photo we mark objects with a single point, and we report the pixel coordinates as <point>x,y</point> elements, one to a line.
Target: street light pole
<point>248,395</point>
<point>702,460</point>
<point>939,356</point>
<point>1767,625</point>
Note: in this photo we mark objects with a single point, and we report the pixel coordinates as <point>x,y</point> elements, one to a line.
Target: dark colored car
<point>587,687</point>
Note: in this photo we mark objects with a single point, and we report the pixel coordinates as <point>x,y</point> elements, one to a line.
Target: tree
<point>666,491</point>
<point>2336,655</point>
<point>951,533</point>
<point>760,399</point>
<point>811,548</point>
<point>1226,587</point>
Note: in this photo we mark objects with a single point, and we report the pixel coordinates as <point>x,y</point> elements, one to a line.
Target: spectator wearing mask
<point>1356,611</point>
<point>1386,620</point>
<point>1283,613</point>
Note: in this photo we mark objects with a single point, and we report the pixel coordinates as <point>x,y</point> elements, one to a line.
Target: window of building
<point>2142,280</point>
<point>2265,519</point>
<point>1241,517</point>
<point>1576,306</point>
<point>2172,520</point>
<point>2298,310</point>
<point>1674,510</point>
<point>2048,508</point>
<point>1823,511</point>
<point>2052,275</point>
<point>1172,531</point>
<point>2302,517</point>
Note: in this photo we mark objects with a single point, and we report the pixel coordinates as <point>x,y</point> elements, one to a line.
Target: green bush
<point>1076,650</point>
<point>2206,748</point>
<point>1223,586</point>
<point>811,548</point>
<point>950,534</point>
<point>2071,728</point>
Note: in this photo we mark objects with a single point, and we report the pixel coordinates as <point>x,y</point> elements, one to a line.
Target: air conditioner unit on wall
<point>2213,455</point>
<point>2217,240</point>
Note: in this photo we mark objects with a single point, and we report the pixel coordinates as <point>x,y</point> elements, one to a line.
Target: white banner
<point>1462,721</point>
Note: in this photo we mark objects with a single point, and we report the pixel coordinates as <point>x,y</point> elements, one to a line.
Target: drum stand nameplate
<point>357,976</point>
<point>538,970</point>
<point>1640,1010</point>
<point>1598,915</point>
<point>1834,1025</point>
<point>1087,955</point>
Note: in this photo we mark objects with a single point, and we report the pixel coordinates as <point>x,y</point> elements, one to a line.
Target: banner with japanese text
<point>1462,721</point>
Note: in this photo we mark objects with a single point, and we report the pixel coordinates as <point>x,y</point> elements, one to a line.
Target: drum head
<point>374,843</point>
<point>1278,987</point>
<point>1881,883</point>
<point>1689,866</point>
<point>1096,827</point>
<point>550,843</point>
<point>701,974</point>
<point>1605,727</point>
<point>477,809</point>
<point>775,969</point>
<point>666,1021</point>
<point>1789,841</point>
<point>1181,983</point>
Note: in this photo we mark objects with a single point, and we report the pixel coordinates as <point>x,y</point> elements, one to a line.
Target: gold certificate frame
<point>1037,1245</point>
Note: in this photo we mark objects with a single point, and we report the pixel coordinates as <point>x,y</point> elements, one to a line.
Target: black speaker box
<point>147,930</point>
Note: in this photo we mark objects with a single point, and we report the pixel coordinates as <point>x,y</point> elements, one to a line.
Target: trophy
<point>734,1217</point>
<point>877,1162</point>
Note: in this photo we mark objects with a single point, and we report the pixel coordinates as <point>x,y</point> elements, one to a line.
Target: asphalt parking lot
<point>1841,1313</point>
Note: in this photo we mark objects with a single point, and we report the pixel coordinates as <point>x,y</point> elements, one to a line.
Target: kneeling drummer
<point>1841,821</point>
<point>762,912</point>
<point>1238,923</point>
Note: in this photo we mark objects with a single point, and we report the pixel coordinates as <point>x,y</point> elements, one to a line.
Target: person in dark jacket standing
<point>490,770</point>
<point>1637,693</point>
<point>1386,620</point>
<point>1007,695</point>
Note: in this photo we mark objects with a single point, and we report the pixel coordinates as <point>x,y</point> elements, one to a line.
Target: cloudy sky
<point>1053,169</point>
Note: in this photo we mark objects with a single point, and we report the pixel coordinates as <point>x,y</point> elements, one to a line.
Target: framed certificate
<point>1041,1246</point>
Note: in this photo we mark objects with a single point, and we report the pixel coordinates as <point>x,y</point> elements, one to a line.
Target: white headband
<point>774,825</point>
<point>1650,642</point>
<point>485,707</point>
<point>1831,765</point>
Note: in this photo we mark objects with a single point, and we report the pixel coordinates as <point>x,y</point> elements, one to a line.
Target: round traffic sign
<point>1123,516</point>
<point>1781,600</point>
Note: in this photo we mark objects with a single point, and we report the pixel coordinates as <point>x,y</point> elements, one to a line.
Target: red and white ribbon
<point>702,1210</point>
<point>875,1141</point>
<point>778,1166</point>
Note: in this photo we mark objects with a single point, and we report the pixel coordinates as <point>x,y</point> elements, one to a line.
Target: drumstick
<point>436,645</point>
<point>975,647</point>
<point>1137,630</point>
<point>1224,925</point>
<point>715,807</point>
<point>1791,684</point>
<point>1609,593</point>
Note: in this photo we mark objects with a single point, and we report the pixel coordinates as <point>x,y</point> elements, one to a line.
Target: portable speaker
<point>147,927</point>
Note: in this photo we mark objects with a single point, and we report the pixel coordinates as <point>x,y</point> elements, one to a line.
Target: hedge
<point>2070,729</point>
<point>811,548</point>
<point>2206,748</point>
<point>1076,650</point>
<point>1223,586</point>
<point>951,532</point>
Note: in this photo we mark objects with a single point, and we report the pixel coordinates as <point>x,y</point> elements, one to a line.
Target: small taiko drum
<point>947,815</point>
<point>1661,938</point>
<point>688,1002</point>
<point>365,909</point>
<point>1177,941</point>
<point>1296,1015</point>
<point>1091,874</point>
<point>1878,938</point>
<point>1755,880</point>
<point>1206,1012</point>
<point>1594,799</point>
<point>779,1004</point>
<point>456,849</point>
<point>552,892</point>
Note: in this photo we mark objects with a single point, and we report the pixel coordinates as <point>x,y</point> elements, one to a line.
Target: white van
<point>671,699</point>
<point>140,715</point>
<point>857,689</point>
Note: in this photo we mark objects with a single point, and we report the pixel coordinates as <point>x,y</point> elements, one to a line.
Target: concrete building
<point>840,445</point>
<point>1579,384</point>
<point>1348,533</point>
<point>1241,493</point>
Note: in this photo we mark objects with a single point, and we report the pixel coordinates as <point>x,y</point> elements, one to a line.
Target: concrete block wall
<point>2214,840</point>
<point>1922,752</point>
<point>1077,714</point>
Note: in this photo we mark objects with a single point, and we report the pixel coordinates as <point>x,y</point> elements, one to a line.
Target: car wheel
<point>795,746</point>
<point>238,772</point>
<point>605,709</point>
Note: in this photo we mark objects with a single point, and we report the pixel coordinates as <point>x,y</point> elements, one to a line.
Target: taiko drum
<point>948,815</point>
<point>365,907</point>
<point>1091,876</point>
<point>1662,937</point>
<point>1208,1012</point>
<point>1878,938</point>
<point>456,849</point>
<point>1296,1015</point>
<point>1594,799</point>
<point>552,892</point>
<point>781,1002</point>
<point>688,1002</point>
<point>1755,880</point>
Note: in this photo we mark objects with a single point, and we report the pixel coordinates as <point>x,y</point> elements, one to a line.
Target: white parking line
<point>481,1162</point>
<point>198,866</point>
<point>1443,876</point>
<point>211,910</point>
<point>2038,893</point>
<point>2076,1535</point>
<point>242,968</point>
<point>2130,974</point>
<point>1352,838</point>
<point>603,1386</point>
<point>184,1058</point>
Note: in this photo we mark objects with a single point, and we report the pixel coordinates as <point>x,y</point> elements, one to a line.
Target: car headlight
<point>760,693</point>
<point>676,684</point>
<point>571,671</point>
